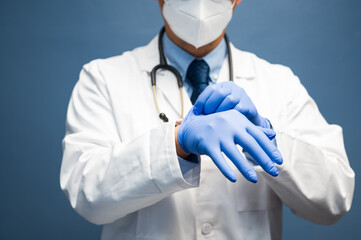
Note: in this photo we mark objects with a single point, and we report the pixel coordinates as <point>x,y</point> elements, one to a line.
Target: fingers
<point>215,99</point>
<point>223,166</point>
<point>268,147</point>
<point>211,98</point>
<point>250,145</point>
<point>238,160</point>
<point>246,106</point>
<point>247,109</point>
<point>202,99</point>
<point>271,134</point>
<point>229,102</point>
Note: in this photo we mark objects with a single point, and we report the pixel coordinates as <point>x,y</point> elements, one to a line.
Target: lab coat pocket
<point>255,197</point>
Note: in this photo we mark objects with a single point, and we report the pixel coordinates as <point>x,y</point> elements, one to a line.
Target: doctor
<point>141,177</point>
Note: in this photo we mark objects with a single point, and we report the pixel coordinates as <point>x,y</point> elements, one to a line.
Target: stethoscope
<point>164,65</point>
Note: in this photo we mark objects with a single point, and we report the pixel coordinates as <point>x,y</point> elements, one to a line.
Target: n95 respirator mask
<point>198,22</point>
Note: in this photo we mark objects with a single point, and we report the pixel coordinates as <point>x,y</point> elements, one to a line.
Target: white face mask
<point>198,22</point>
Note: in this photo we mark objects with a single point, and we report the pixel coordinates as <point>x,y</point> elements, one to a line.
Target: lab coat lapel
<point>168,89</point>
<point>243,67</point>
<point>166,85</point>
<point>246,76</point>
<point>168,94</point>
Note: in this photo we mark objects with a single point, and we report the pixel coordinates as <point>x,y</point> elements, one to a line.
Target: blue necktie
<point>198,75</point>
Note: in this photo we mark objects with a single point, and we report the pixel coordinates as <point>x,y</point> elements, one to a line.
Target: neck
<point>196,52</point>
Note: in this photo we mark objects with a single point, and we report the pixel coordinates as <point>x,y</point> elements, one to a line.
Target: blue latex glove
<point>220,132</point>
<point>227,95</point>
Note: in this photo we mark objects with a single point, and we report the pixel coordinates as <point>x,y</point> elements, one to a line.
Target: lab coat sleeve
<point>105,178</point>
<point>316,181</point>
<point>186,165</point>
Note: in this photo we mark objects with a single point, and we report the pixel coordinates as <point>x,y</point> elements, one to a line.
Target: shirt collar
<point>215,59</point>
<point>181,59</point>
<point>243,66</point>
<point>176,56</point>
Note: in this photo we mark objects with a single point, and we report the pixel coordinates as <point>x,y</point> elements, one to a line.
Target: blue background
<point>44,43</point>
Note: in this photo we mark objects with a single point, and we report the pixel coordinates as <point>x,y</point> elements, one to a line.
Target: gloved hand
<point>220,132</point>
<point>227,95</point>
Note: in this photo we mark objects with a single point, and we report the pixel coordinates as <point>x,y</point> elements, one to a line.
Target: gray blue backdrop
<point>44,43</point>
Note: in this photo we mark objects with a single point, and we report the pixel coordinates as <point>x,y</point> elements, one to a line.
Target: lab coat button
<point>206,229</point>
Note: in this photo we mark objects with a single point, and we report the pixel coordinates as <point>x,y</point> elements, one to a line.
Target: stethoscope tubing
<point>164,65</point>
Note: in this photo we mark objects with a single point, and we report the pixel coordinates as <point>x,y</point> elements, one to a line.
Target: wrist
<point>180,151</point>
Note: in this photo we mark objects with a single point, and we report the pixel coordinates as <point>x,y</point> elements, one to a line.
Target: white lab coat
<point>120,167</point>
